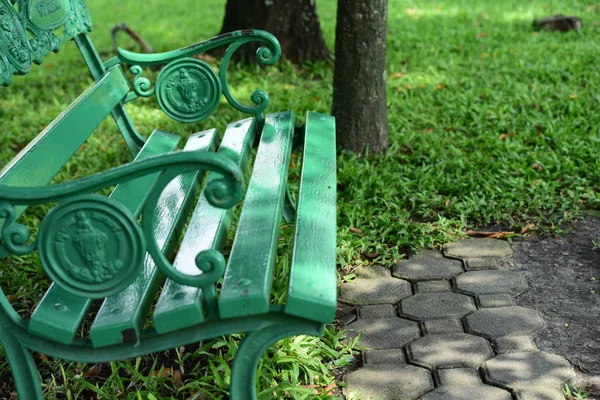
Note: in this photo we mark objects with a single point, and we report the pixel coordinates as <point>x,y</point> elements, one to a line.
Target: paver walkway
<point>446,327</point>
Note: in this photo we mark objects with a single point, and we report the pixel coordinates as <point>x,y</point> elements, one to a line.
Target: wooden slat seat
<point>167,204</point>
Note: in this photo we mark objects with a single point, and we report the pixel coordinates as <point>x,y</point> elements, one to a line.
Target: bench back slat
<point>60,323</point>
<point>312,286</point>
<point>246,288</point>
<point>180,306</point>
<point>45,155</point>
<point>122,316</point>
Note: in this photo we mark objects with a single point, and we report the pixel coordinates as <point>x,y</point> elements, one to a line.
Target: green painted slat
<point>59,313</point>
<point>45,155</point>
<point>180,306</point>
<point>122,316</point>
<point>312,291</point>
<point>246,288</point>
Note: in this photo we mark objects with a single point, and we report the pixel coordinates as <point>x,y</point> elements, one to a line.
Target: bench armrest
<point>193,78</point>
<point>223,193</point>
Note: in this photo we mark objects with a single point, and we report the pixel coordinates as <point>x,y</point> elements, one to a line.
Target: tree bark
<point>293,22</point>
<point>359,83</point>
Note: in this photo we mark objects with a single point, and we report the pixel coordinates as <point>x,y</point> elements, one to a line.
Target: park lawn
<point>490,124</point>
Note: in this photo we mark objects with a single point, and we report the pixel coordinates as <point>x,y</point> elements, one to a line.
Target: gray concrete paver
<point>493,323</point>
<point>426,269</point>
<point>452,350</point>
<point>492,281</point>
<point>389,382</point>
<point>478,248</point>
<point>437,305</point>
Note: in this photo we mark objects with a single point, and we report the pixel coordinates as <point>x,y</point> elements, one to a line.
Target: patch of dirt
<point>564,279</point>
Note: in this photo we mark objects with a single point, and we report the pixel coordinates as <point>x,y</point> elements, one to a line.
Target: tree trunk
<point>293,22</point>
<point>359,82</point>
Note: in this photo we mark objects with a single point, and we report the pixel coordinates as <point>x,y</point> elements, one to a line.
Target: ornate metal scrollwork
<point>39,18</point>
<point>92,246</point>
<point>15,236</point>
<point>188,90</point>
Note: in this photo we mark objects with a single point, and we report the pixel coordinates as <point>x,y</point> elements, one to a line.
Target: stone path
<point>446,326</point>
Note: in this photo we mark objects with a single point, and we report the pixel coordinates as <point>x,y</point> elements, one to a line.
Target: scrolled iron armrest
<point>224,192</point>
<point>198,88</point>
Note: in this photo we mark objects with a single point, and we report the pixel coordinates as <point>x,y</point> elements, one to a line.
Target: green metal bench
<point>118,248</point>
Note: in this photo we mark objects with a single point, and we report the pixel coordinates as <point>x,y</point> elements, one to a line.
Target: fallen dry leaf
<point>527,228</point>
<point>177,379</point>
<point>440,86</point>
<point>94,370</point>
<point>161,373</point>
<point>572,96</point>
<point>506,135</point>
<point>357,231</point>
<point>487,234</point>
<point>447,203</point>
<point>537,167</point>
<point>397,75</point>
<point>482,35</point>
<point>372,255</point>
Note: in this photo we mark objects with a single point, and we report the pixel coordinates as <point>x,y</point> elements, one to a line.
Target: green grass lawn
<point>490,124</point>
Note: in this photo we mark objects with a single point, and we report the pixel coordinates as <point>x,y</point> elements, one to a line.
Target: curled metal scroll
<point>221,192</point>
<point>267,54</point>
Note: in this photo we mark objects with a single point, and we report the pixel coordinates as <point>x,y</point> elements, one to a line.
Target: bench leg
<point>21,362</point>
<point>243,373</point>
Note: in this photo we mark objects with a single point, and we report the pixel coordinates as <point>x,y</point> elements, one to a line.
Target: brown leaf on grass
<point>572,96</point>
<point>439,86</point>
<point>44,357</point>
<point>94,370</point>
<point>357,231</point>
<point>397,75</point>
<point>447,203</point>
<point>161,373</point>
<point>177,379</point>
<point>527,228</point>
<point>487,234</point>
<point>506,135</point>
<point>482,35</point>
<point>372,255</point>
<point>537,167</point>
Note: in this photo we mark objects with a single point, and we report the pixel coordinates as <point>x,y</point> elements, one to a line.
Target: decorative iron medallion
<point>91,246</point>
<point>13,39</point>
<point>49,14</point>
<point>188,90</point>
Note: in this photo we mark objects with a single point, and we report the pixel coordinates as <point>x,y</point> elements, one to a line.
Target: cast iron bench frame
<point>92,246</point>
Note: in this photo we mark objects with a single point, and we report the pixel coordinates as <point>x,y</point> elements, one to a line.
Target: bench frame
<point>243,305</point>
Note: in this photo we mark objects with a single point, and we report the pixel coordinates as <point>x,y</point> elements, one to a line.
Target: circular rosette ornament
<point>188,90</point>
<point>91,246</point>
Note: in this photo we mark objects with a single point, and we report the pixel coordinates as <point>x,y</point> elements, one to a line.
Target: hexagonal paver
<point>467,393</point>
<point>478,248</point>
<point>442,285</point>
<point>437,305</point>
<point>443,326</point>
<point>459,377</point>
<point>389,382</point>
<point>526,371</point>
<point>374,285</point>
<point>492,281</point>
<point>453,350</point>
<point>373,358</point>
<point>425,269</point>
<point>497,322</point>
<point>514,344</point>
<point>540,392</point>
<point>388,333</point>
<point>478,264</point>
<point>495,300</point>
